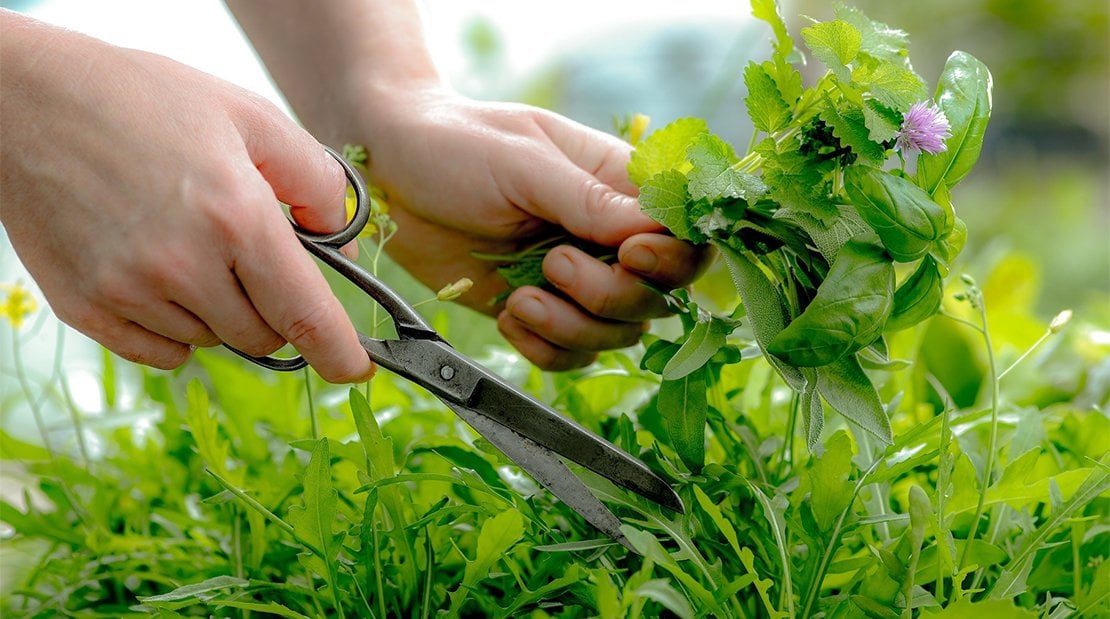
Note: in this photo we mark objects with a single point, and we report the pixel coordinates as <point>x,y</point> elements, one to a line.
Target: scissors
<point>530,433</point>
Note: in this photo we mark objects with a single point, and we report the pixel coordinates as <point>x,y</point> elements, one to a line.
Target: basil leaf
<point>906,219</point>
<point>964,95</point>
<point>917,298</point>
<point>846,314</point>
<point>683,405</point>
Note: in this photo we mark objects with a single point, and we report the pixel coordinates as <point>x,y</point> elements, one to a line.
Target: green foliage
<point>965,475</point>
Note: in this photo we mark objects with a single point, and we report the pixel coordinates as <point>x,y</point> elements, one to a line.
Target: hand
<point>142,196</point>
<point>464,176</point>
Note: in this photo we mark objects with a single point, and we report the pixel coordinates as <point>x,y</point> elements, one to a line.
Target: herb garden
<point>855,429</point>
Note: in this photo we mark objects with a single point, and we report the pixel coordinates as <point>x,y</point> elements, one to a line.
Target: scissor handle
<point>325,246</point>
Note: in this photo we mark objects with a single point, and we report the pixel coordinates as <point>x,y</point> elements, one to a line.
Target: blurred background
<point>1037,206</point>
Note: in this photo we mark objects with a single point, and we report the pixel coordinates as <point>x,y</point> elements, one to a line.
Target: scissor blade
<point>562,435</point>
<point>458,380</point>
<point>547,469</point>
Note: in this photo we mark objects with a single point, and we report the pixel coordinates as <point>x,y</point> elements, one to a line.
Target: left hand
<point>464,176</point>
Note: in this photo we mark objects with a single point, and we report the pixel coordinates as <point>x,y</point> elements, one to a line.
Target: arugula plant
<point>249,494</point>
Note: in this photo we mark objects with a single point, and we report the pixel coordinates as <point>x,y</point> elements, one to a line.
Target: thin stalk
<point>830,548</point>
<point>311,404</point>
<point>787,456</point>
<point>992,442</point>
<point>429,552</point>
<point>944,470</point>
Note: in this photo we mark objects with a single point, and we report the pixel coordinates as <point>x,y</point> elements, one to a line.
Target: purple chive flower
<point>924,128</point>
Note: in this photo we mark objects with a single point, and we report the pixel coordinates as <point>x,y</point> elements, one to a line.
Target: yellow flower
<point>17,305</point>
<point>379,211</point>
<point>637,127</point>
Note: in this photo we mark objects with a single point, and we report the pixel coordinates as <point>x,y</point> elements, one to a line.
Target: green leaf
<point>796,182</point>
<point>664,199</point>
<point>683,405</point>
<point>377,447</point>
<point>194,590</point>
<point>206,432</point>
<point>835,43</point>
<point>705,339</point>
<point>664,150</point>
<point>964,95</point>
<point>497,536</point>
<point>768,11</point>
<point>811,409</point>
<point>647,545</point>
<point>713,176</point>
<point>849,391</point>
<point>661,591</point>
<point>918,297</point>
<point>270,608</point>
<point>883,123</point>
<point>892,84</point>
<point>764,306</point>
<point>965,608</point>
<point>766,106</point>
<point>904,216</point>
<point>718,518</point>
<point>314,520</point>
<point>849,125</point>
<point>876,38</point>
<point>830,491</point>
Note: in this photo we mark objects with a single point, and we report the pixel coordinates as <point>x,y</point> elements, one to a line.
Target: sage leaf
<point>964,95</point>
<point>705,339</point>
<point>683,405</point>
<point>848,390</point>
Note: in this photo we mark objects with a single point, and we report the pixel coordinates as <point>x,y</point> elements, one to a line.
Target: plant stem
<point>311,404</point>
<point>1028,351</point>
<point>992,442</point>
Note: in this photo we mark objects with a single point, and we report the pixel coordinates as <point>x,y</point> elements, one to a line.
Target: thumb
<point>302,174</point>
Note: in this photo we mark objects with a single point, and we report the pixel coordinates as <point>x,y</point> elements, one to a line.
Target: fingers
<point>303,311</point>
<point>538,350</point>
<point>606,291</point>
<point>301,173</point>
<point>663,259</point>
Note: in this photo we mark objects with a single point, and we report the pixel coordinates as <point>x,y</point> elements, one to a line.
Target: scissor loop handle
<point>362,211</point>
<point>334,240</point>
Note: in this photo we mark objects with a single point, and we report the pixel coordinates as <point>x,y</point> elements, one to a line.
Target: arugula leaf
<point>827,481</point>
<point>314,520</point>
<point>765,103</point>
<point>197,589</point>
<point>835,43</point>
<point>683,405</point>
<point>664,198</point>
<point>713,176</point>
<point>664,150</point>
<point>964,95</point>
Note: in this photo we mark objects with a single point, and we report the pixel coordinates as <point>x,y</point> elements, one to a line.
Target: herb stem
<point>311,404</point>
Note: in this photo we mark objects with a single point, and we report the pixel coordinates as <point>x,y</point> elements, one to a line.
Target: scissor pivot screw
<point>446,372</point>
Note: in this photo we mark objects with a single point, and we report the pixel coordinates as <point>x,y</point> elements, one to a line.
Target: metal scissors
<point>527,431</point>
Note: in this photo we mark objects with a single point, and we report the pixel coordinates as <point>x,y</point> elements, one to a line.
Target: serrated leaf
<point>892,84</point>
<point>795,182</point>
<point>683,405</point>
<point>664,198</point>
<point>712,175</point>
<point>766,105</point>
<point>664,150</point>
<point>882,123</point>
<point>206,432</point>
<point>497,536</point>
<point>964,95</point>
<point>848,390</point>
<point>313,521</point>
<point>876,38</point>
<point>849,125</point>
<point>836,44</point>
<point>768,11</point>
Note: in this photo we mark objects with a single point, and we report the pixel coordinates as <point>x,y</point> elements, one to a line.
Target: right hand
<point>143,198</point>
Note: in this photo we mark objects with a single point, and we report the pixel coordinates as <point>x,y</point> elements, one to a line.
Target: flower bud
<point>1059,321</point>
<point>452,291</point>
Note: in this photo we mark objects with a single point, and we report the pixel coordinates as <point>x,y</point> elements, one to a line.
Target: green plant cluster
<point>967,473</point>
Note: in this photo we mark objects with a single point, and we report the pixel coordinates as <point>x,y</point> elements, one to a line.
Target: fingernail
<point>559,269</point>
<point>529,310</point>
<point>641,258</point>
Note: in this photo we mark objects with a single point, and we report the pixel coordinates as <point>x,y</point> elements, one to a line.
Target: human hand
<point>143,198</point>
<point>464,176</point>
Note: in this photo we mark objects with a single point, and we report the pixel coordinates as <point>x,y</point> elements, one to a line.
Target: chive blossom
<point>924,129</point>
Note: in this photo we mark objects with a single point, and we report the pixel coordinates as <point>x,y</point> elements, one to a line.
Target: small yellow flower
<point>17,305</point>
<point>637,127</point>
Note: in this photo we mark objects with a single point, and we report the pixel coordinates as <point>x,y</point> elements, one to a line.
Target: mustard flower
<point>17,305</point>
